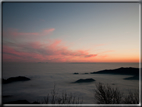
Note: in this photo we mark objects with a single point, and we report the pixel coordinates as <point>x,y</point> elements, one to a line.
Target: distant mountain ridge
<point>121,71</point>
<point>15,79</point>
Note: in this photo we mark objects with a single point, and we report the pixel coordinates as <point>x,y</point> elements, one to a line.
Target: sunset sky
<point>70,32</point>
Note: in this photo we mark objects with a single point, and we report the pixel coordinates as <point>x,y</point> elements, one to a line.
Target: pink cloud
<point>47,31</point>
<point>91,55</point>
<point>37,51</point>
<point>12,54</point>
<point>54,44</point>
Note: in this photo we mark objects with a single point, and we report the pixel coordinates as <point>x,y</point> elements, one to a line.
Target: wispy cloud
<point>37,51</point>
<point>47,50</point>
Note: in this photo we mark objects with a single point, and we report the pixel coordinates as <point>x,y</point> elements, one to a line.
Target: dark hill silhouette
<point>121,71</point>
<point>15,79</point>
<point>75,73</point>
<point>84,80</point>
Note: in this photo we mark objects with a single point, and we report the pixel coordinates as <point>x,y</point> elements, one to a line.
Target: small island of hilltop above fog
<point>15,79</point>
<point>121,71</point>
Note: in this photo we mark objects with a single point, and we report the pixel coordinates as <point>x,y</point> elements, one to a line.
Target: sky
<point>70,32</point>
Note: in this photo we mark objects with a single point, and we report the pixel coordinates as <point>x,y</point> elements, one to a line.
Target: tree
<point>105,94</point>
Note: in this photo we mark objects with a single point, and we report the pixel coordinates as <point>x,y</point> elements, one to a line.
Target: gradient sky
<point>70,32</point>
